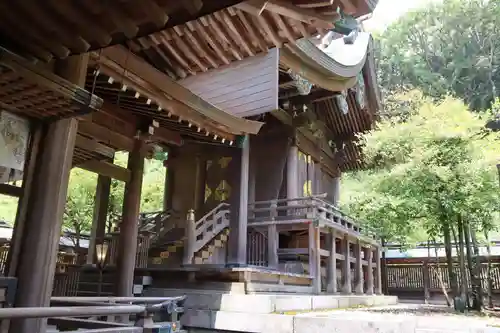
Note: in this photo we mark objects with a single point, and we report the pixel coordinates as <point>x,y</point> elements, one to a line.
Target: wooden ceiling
<point>55,28</point>
<point>33,92</point>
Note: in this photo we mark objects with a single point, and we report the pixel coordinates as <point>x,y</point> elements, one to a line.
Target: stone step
<point>193,320</point>
<point>267,303</point>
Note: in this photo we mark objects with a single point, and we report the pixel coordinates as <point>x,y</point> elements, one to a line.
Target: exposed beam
<point>310,16</point>
<point>160,134</point>
<point>94,146</point>
<point>106,136</point>
<point>348,6</point>
<point>11,190</point>
<point>106,169</point>
<point>313,4</point>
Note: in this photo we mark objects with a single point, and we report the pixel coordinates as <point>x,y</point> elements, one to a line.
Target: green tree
<point>432,174</point>
<point>448,47</point>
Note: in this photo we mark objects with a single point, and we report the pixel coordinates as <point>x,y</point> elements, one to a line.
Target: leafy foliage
<point>426,171</point>
<point>449,47</point>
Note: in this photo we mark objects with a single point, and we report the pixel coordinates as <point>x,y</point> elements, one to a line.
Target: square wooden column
<point>346,266</point>
<point>369,270</point>
<point>378,271</point>
<point>129,227</point>
<point>100,215</point>
<point>237,244</point>
<point>359,287</point>
<point>331,266</point>
<point>292,172</point>
<point>38,225</point>
<point>314,257</point>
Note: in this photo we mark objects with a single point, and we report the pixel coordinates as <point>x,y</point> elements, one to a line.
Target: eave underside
<point>47,29</point>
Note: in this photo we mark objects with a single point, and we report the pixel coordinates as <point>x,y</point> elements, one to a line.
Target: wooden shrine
<point>252,191</point>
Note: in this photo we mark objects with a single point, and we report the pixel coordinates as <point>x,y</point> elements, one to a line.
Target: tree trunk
<point>440,277</point>
<point>490,280</point>
<point>449,259</point>
<point>461,253</point>
<point>477,300</point>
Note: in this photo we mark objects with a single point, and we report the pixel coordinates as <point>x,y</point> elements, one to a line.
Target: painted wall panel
<point>244,88</point>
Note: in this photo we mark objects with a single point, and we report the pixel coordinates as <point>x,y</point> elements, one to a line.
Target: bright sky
<point>387,11</point>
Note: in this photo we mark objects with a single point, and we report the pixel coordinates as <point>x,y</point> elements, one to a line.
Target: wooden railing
<point>256,248</point>
<point>418,277</point>
<point>158,223</point>
<point>210,225</point>
<point>297,210</point>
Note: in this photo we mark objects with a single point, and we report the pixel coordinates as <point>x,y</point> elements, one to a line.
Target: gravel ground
<point>425,318</point>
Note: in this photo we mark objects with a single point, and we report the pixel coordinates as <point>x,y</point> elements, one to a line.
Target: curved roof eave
<point>338,58</point>
<point>313,74</point>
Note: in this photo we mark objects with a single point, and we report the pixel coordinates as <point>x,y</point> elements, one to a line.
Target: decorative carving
<point>342,102</point>
<point>223,191</point>
<point>361,92</point>
<point>302,84</point>
<point>208,192</point>
<point>224,162</point>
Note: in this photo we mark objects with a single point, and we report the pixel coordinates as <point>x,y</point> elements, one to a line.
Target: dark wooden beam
<point>106,135</point>
<point>160,134</point>
<point>11,190</point>
<point>94,146</point>
<point>106,169</point>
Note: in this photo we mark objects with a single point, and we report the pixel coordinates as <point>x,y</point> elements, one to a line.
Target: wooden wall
<point>243,88</point>
<point>312,179</point>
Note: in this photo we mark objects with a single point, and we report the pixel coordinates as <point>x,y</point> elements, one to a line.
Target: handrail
<point>72,311</point>
<point>278,201</point>
<point>116,299</point>
<point>222,204</point>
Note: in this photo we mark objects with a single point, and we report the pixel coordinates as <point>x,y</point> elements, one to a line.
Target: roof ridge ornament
<point>302,84</point>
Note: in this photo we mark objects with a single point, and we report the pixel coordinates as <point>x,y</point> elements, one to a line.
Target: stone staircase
<point>239,311</point>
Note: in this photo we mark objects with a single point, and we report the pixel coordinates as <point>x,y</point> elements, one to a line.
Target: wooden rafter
<point>54,28</point>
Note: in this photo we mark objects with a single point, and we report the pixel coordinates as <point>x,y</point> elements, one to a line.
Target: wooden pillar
<point>369,269</point>
<point>272,246</point>
<point>127,241</point>
<point>331,267</point>
<point>46,199</point>
<point>292,173</point>
<point>314,257</point>
<point>101,203</point>
<point>239,206</point>
<point>359,268</point>
<point>336,190</point>
<point>378,272</point>
<point>190,238</point>
<point>346,266</point>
